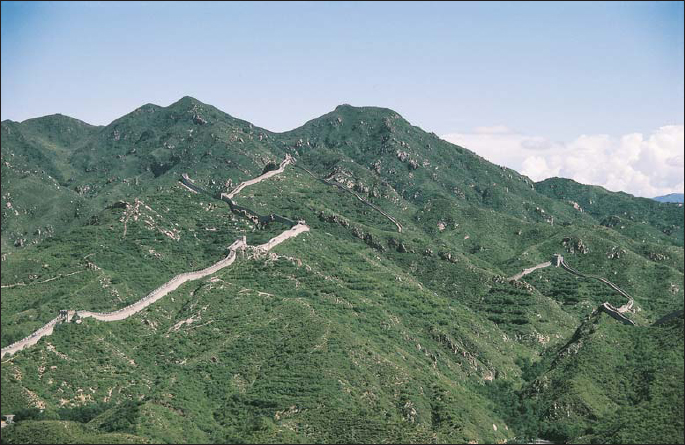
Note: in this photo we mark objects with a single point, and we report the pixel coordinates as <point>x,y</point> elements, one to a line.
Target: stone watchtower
<point>557,259</point>
<point>66,315</point>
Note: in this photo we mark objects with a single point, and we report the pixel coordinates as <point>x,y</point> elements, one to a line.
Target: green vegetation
<point>351,332</point>
<point>53,431</point>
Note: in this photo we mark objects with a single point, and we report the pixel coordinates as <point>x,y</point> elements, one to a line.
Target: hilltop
<point>393,318</point>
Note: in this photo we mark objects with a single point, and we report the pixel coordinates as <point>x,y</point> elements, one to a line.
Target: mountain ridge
<point>353,331</point>
<point>186,103</point>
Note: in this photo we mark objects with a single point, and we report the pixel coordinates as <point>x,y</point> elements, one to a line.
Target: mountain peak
<point>55,119</point>
<point>385,112</point>
<point>186,102</point>
<point>342,107</point>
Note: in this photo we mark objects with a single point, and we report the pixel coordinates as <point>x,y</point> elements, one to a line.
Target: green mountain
<point>389,305</point>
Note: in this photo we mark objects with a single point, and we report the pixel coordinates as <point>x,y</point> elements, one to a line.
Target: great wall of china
<point>259,220</point>
<point>294,230</point>
<point>281,168</point>
<point>525,272</point>
<point>616,313</point>
<point>66,316</point>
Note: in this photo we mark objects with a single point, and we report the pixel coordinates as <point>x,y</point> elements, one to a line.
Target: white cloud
<point>536,168</point>
<point>643,166</point>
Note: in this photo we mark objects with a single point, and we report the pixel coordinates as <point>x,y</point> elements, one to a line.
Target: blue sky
<point>546,71</point>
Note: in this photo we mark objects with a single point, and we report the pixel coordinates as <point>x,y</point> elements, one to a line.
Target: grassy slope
<point>51,431</point>
<point>632,395</point>
<point>367,340</point>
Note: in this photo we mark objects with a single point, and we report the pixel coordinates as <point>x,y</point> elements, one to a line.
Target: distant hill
<point>671,197</point>
<point>394,318</point>
<point>637,217</point>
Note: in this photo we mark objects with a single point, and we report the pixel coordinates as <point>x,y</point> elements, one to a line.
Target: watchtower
<point>66,315</point>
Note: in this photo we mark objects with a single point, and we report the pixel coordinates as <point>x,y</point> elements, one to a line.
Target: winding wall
<point>185,180</point>
<point>288,159</point>
<point>260,220</point>
<point>34,337</point>
<point>525,272</point>
<point>256,218</point>
<point>614,312</point>
<point>165,288</point>
<point>175,282</point>
<point>626,307</point>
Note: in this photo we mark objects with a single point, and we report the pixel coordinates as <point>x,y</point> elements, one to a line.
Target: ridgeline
<point>391,320</point>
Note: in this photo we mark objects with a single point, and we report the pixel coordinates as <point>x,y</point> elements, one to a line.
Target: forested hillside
<point>380,293</point>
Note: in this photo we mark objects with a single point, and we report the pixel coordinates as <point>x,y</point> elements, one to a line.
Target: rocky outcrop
<point>398,245</point>
<point>331,218</point>
<point>368,239</point>
<point>656,256</point>
<point>573,245</point>
<point>615,253</point>
<point>447,256</point>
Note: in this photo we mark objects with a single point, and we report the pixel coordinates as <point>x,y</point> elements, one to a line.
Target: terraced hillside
<point>388,317</point>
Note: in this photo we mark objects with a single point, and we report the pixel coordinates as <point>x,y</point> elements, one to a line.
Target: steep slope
<point>37,200</point>
<point>391,319</point>
<point>633,394</point>
<point>400,160</point>
<point>82,169</point>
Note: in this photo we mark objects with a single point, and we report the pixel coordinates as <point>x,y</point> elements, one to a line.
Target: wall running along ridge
<point>525,272</point>
<point>288,159</point>
<point>171,285</point>
<point>257,219</point>
<point>33,338</point>
<point>612,311</point>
